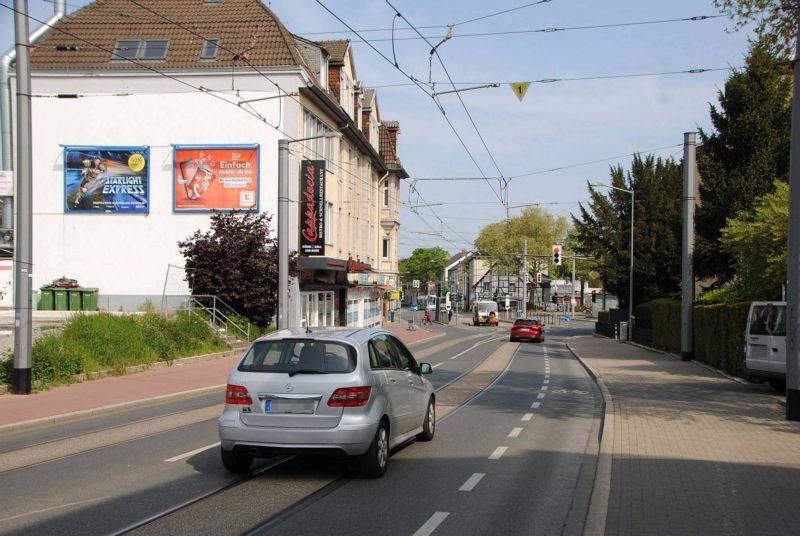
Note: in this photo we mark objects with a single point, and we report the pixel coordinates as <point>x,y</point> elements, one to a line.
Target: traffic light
<point>538,278</point>
<point>557,255</point>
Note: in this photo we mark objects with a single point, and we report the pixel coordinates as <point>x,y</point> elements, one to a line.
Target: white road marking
<point>544,388</point>
<point>471,482</point>
<point>473,346</point>
<point>546,381</point>
<point>498,452</point>
<point>437,365</point>
<point>547,376</point>
<point>515,432</point>
<point>536,405</point>
<point>192,453</point>
<point>52,508</point>
<point>540,395</point>
<point>527,416</point>
<point>431,524</point>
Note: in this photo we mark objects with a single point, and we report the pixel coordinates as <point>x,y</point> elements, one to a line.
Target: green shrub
<point>719,335</point>
<point>90,343</point>
<point>662,318</point>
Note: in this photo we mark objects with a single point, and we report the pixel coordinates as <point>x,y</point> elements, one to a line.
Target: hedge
<point>719,335</point>
<point>663,318</point>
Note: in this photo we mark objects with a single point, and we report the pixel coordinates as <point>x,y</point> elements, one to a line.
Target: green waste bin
<point>75,300</point>
<point>89,296</point>
<point>47,303</point>
<point>60,299</point>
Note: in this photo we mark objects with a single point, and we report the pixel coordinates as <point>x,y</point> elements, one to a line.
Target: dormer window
<point>149,49</point>
<point>210,49</point>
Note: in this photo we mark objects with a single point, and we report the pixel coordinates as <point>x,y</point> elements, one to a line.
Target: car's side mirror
<point>425,368</point>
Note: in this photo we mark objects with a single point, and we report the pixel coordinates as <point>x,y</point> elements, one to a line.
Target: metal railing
<point>212,309</point>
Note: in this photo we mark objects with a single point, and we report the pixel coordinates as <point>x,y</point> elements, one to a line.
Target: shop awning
<point>321,263</point>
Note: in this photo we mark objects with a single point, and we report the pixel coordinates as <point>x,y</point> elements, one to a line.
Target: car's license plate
<point>267,406</point>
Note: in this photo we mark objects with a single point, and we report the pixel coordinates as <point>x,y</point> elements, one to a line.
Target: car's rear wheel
<point>429,424</point>
<point>236,461</point>
<point>373,462</point>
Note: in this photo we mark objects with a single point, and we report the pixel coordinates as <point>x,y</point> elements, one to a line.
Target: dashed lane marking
<point>544,388</point>
<point>498,453</point>
<point>515,432</point>
<point>192,453</point>
<point>527,416</point>
<point>471,482</point>
<point>431,524</point>
<point>437,365</point>
<point>546,381</point>
<point>536,405</point>
<point>540,395</point>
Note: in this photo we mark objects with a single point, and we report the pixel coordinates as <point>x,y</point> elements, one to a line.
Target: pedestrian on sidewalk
<point>450,315</point>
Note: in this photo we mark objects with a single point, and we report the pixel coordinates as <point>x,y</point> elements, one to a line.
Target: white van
<point>765,348</point>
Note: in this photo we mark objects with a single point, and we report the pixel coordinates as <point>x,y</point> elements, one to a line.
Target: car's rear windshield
<point>487,307</point>
<point>299,356</point>
<point>526,322</point>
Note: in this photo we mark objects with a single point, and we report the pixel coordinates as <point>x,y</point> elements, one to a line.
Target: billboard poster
<point>312,207</point>
<point>215,177</point>
<point>106,179</point>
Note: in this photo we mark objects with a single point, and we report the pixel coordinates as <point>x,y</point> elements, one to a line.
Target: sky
<point>493,134</point>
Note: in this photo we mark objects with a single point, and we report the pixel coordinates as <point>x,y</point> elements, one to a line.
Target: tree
<point>775,20</point>
<point>536,225</point>
<point>738,161</point>
<point>425,264</point>
<point>603,229</point>
<point>757,242</point>
<point>237,261</point>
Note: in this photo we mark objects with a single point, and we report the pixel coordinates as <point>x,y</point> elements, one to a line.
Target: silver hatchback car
<point>358,392</point>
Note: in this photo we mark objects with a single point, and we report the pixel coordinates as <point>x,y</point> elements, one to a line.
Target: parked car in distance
<point>765,342</point>
<point>527,328</point>
<point>357,392</point>
<point>414,307</point>
<point>484,312</point>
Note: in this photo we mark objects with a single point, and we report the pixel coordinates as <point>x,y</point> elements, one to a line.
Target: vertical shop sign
<point>312,207</point>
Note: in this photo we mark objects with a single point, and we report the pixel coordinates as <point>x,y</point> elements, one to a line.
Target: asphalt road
<point>131,477</point>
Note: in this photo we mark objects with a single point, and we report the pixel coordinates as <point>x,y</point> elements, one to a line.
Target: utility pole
<point>572,291</point>
<point>793,272</point>
<point>687,248</point>
<point>283,234</point>
<point>525,278</point>
<point>21,375</point>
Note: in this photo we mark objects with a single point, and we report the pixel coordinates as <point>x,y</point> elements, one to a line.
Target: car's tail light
<point>237,394</point>
<point>350,397</point>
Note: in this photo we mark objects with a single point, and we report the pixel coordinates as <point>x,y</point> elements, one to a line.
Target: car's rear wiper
<point>306,371</point>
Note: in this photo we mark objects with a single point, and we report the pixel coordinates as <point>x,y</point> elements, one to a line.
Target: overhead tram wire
<point>435,50</point>
<point>696,18</point>
<point>578,78</point>
<point>440,26</point>
<point>419,85</point>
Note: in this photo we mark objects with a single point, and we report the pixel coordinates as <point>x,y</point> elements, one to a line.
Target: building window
<point>151,49</point>
<point>320,148</point>
<point>210,49</point>
<point>385,248</point>
<point>386,193</point>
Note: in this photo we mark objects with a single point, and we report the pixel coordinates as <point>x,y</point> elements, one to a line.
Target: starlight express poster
<point>213,177</point>
<point>106,179</point>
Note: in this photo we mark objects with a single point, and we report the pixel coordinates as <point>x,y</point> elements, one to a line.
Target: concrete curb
<point>601,490</point>
<point>77,415</point>
<point>144,402</point>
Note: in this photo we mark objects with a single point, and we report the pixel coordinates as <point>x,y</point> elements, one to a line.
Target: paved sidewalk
<point>151,386</point>
<point>694,452</point>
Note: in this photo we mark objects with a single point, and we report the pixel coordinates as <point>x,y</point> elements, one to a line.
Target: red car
<point>527,328</point>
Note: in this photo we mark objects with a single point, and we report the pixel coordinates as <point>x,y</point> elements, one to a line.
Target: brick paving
<point>694,452</point>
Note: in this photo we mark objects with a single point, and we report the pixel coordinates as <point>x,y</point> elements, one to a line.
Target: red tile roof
<point>336,48</point>
<point>247,30</point>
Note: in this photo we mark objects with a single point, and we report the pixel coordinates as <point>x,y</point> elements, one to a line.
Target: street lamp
<point>283,224</point>
<point>630,277</point>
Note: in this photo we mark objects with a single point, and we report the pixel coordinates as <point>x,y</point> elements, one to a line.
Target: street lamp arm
<point>610,186</point>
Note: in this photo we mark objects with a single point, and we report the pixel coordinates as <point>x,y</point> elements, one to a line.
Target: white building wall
<point>128,254</point>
